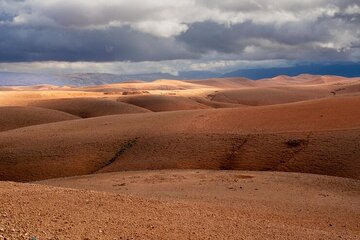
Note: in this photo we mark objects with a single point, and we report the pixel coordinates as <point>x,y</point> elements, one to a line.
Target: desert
<point>233,158</point>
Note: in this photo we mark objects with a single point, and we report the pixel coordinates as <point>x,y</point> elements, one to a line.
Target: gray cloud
<point>62,44</point>
<point>157,30</point>
<point>293,40</point>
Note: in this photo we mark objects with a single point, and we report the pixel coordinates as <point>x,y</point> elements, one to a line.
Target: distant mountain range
<point>339,69</point>
<point>81,79</point>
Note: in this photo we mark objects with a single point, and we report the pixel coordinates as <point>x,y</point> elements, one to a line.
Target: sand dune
<point>281,89</point>
<point>89,107</point>
<point>270,95</point>
<point>162,84</point>
<point>290,91</point>
<point>311,136</point>
<point>24,98</point>
<point>283,80</point>
<point>160,103</point>
<point>17,117</point>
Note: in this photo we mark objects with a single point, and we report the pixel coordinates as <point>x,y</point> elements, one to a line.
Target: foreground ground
<point>183,205</point>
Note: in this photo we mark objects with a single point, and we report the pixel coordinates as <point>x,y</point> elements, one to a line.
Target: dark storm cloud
<point>350,18</point>
<point>288,41</point>
<point>6,17</point>
<point>18,43</point>
<point>150,30</point>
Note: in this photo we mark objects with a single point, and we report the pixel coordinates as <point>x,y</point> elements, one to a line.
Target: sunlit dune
<point>24,98</point>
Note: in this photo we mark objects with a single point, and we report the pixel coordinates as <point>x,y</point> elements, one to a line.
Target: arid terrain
<point>227,158</point>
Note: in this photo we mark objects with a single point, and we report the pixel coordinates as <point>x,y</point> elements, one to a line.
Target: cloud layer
<point>160,30</point>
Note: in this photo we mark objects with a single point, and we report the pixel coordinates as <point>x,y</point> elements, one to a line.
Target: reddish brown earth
<point>161,103</point>
<point>89,107</point>
<point>183,204</point>
<point>240,138</point>
<point>304,124</point>
<point>18,117</point>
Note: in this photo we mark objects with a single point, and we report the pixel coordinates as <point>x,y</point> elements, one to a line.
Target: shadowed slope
<point>89,107</point>
<point>215,104</point>
<point>269,96</point>
<point>159,103</point>
<point>331,153</point>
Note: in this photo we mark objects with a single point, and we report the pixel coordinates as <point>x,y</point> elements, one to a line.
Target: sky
<point>140,36</point>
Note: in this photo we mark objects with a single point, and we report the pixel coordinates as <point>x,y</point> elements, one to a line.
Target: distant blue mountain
<point>76,79</point>
<point>26,79</point>
<point>339,69</point>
